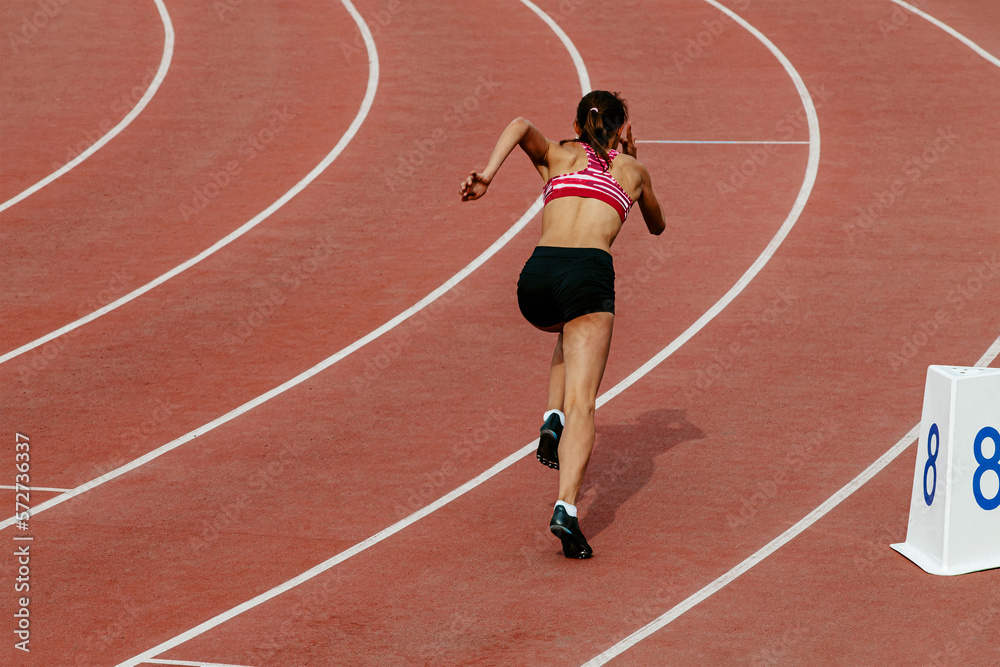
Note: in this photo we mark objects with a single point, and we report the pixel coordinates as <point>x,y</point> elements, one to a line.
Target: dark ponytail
<point>600,114</point>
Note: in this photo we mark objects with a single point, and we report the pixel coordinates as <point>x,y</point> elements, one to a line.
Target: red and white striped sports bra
<point>592,182</point>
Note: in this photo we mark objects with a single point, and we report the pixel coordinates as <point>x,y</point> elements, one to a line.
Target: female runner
<point>567,286</point>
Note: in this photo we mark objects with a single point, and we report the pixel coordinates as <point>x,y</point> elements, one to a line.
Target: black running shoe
<point>567,529</point>
<point>548,442</point>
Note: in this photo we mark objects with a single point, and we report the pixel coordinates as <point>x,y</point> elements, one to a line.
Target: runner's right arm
<point>521,132</point>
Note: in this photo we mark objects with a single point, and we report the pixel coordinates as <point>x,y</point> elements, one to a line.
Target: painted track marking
<point>695,141</point>
<point>989,57</point>
<point>161,74</point>
<point>532,211</point>
<point>574,54</point>
<point>833,500</point>
<point>781,540</point>
<point>366,104</point>
<point>189,663</point>
<point>522,222</point>
<point>797,208</point>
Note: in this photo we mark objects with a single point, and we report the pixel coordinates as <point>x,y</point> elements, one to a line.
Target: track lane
<point>230,131</point>
<point>400,394</point>
<point>460,623</point>
<point>487,600</point>
<point>408,92</point>
<point>154,412</point>
<point>975,20</point>
<point>887,609</point>
<point>67,92</point>
<point>260,455</point>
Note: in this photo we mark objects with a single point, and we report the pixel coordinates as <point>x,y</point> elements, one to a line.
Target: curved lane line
<point>581,68</point>
<point>521,223</point>
<point>781,540</point>
<point>800,202</point>
<point>352,130</point>
<point>833,500</point>
<point>161,74</point>
<point>812,169</point>
<point>366,104</point>
<point>989,57</point>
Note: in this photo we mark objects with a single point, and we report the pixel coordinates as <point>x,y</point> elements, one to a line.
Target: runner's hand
<point>474,187</point>
<point>628,143</point>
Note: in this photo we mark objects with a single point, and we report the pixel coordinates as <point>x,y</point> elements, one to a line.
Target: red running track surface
<point>785,396</point>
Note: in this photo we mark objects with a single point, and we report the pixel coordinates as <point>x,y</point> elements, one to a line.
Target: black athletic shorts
<point>560,284</point>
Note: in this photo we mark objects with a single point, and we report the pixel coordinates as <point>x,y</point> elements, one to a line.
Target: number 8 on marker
<point>985,464</point>
<point>931,464</point>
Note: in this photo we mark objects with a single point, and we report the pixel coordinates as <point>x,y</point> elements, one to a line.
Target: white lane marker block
<point>954,523</point>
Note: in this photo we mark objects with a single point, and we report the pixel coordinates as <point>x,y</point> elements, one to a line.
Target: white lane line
<point>535,208</point>
<point>800,202</point>
<point>812,169</point>
<point>352,130</point>
<point>581,68</point>
<point>778,542</point>
<point>189,663</point>
<point>834,500</point>
<point>951,31</point>
<point>161,73</point>
<point>990,354</point>
<point>366,104</point>
<point>698,141</point>
<point>298,379</point>
<point>32,488</point>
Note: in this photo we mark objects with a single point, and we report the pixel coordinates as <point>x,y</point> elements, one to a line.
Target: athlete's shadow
<point>623,461</point>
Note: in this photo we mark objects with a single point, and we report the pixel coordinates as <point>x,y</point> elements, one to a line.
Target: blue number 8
<point>931,464</point>
<point>992,463</point>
